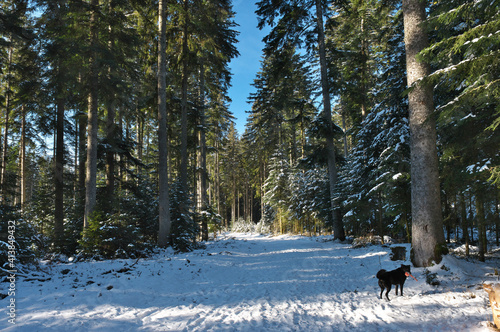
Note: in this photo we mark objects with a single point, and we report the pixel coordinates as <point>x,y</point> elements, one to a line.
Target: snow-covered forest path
<point>252,283</point>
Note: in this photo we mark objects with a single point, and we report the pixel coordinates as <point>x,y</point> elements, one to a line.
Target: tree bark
<point>428,243</point>
<point>465,226</point>
<point>59,175</point>
<point>202,158</point>
<point>163,200</point>
<point>110,134</point>
<point>5,146</point>
<point>82,156</point>
<point>24,177</point>
<point>481,224</point>
<point>338,227</point>
<point>110,157</point>
<point>184,106</point>
<point>91,172</point>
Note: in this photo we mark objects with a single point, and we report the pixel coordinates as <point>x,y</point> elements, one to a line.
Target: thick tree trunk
<point>184,106</point>
<point>163,200</point>
<point>427,223</point>
<point>91,176</point>
<point>338,227</point>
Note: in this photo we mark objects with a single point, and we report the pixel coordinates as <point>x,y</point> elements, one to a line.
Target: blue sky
<point>245,67</point>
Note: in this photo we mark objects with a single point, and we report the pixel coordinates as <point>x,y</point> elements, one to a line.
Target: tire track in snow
<point>292,272</point>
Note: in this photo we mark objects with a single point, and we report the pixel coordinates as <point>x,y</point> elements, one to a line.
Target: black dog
<point>395,277</point>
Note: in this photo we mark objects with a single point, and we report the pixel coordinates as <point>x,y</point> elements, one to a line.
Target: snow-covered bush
<point>184,228</point>
<point>242,226</point>
<point>112,236</point>
<point>247,226</point>
<point>262,228</point>
<point>211,218</point>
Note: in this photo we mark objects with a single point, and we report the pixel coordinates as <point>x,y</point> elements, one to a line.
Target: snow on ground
<point>245,282</point>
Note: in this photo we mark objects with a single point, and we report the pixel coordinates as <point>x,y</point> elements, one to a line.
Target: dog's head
<point>405,268</point>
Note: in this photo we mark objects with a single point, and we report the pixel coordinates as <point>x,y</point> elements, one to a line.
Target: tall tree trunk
<point>465,226</point>
<point>497,217</point>
<point>163,200</point>
<point>91,176</point>
<point>428,243</point>
<point>110,157</point>
<point>24,177</point>
<point>110,134</point>
<point>121,163</point>
<point>202,158</point>
<point>481,224</point>
<point>344,136</point>
<point>217,172</point>
<point>59,172</point>
<point>262,180</point>
<point>184,106</point>
<point>82,156</point>
<point>364,70</point>
<point>233,202</point>
<point>338,227</point>
<point>140,135</point>
<point>5,147</point>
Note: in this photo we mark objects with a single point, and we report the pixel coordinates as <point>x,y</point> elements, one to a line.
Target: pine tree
<point>427,222</point>
<point>163,200</point>
<point>184,229</point>
<point>277,190</point>
<point>93,103</point>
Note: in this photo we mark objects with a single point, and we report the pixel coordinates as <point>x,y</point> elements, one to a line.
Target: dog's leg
<point>382,287</point>
<point>387,293</point>
<point>401,286</point>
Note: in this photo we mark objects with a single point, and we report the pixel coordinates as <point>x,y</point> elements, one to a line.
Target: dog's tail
<point>381,273</point>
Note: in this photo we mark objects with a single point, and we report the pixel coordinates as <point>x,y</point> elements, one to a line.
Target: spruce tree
<point>163,200</point>
<point>464,58</point>
<point>427,223</point>
<point>93,104</point>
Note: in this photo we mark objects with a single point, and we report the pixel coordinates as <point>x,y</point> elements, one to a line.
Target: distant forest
<point>116,134</point>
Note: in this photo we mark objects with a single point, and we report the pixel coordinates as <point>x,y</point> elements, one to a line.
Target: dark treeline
<point>116,134</point>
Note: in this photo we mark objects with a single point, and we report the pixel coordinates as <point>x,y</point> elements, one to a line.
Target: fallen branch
<point>124,269</point>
